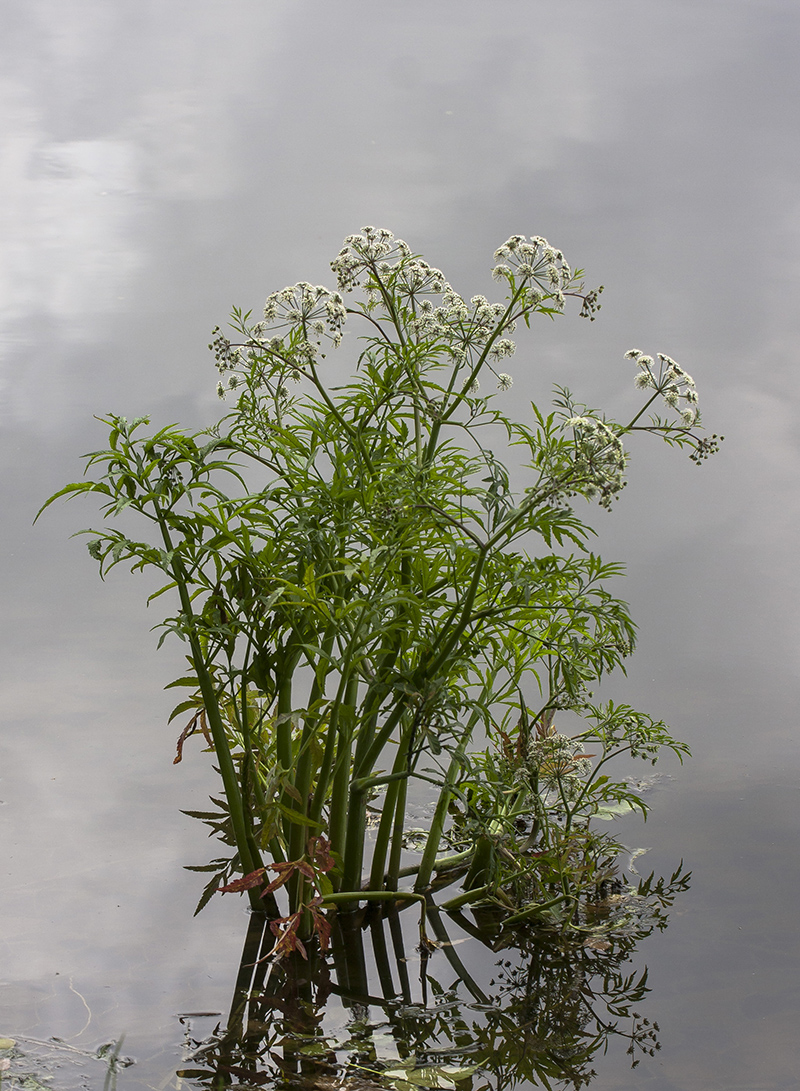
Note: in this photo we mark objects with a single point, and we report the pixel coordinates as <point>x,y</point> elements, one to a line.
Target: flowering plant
<point>362,591</point>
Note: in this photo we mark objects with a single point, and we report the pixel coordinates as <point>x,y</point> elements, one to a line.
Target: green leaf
<point>73,490</point>
<point>297,817</point>
<point>184,706</point>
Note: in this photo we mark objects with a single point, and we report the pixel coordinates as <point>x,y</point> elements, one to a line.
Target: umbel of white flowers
<point>298,319</point>
<point>669,380</point>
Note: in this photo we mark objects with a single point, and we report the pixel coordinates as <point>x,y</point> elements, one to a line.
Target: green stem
<point>398,829</point>
<point>536,910</point>
<point>299,832</point>
<point>428,862</point>
<point>388,816</point>
<point>248,854</point>
<point>345,723</point>
<point>443,863</point>
<point>345,897</point>
<point>436,429</point>
<point>466,897</point>
<point>283,721</point>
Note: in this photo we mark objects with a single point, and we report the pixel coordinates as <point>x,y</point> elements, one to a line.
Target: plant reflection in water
<point>380,1012</point>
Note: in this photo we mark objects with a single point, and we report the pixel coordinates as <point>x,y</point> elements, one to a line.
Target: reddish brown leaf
<point>184,735</point>
<point>288,939</point>
<point>319,850</point>
<point>197,723</point>
<point>322,925</point>
<point>204,729</point>
<point>277,883</point>
<point>247,882</point>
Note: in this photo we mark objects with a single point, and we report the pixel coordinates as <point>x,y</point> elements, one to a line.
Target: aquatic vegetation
<point>530,1008</point>
<point>30,1064</point>
<point>364,594</point>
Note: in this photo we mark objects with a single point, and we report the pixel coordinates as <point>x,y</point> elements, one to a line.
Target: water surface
<point>162,164</point>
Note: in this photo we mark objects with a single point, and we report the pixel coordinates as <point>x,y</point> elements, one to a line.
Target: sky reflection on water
<point>160,164</point>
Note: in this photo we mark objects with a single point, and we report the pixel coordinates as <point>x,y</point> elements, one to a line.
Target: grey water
<point>161,163</point>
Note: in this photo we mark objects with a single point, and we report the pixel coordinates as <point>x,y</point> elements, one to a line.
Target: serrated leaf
<point>297,817</point>
<point>208,892</point>
<point>184,706</point>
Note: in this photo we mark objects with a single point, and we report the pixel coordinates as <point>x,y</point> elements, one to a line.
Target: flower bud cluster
<point>385,267</point>
<point>707,446</point>
<point>668,379</point>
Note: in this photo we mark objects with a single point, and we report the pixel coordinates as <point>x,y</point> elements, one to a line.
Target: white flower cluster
<point>361,254</point>
<point>599,463</point>
<point>381,264</point>
<point>312,310</point>
<point>535,263</point>
<point>669,380</point>
<point>557,763</point>
<point>290,335</point>
<point>410,292</point>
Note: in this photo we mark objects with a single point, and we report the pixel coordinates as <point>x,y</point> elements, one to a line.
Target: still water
<point>163,162</point>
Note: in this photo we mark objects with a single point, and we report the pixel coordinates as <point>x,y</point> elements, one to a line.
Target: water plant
<point>369,604</point>
<point>542,1008</point>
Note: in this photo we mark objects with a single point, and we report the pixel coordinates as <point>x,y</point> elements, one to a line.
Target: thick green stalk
<point>372,703</point>
<point>428,861</point>
<point>299,832</point>
<point>465,616</point>
<point>283,722</point>
<point>326,766</point>
<point>337,824</point>
<point>482,870</point>
<point>441,864</point>
<point>534,910</point>
<point>357,803</point>
<point>398,830</point>
<point>356,896</point>
<point>250,779</point>
<point>394,803</point>
<point>466,897</point>
<point>375,749</point>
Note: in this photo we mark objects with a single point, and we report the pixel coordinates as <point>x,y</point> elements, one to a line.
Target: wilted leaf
<point>247,882</point>
<point>198,718</point>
